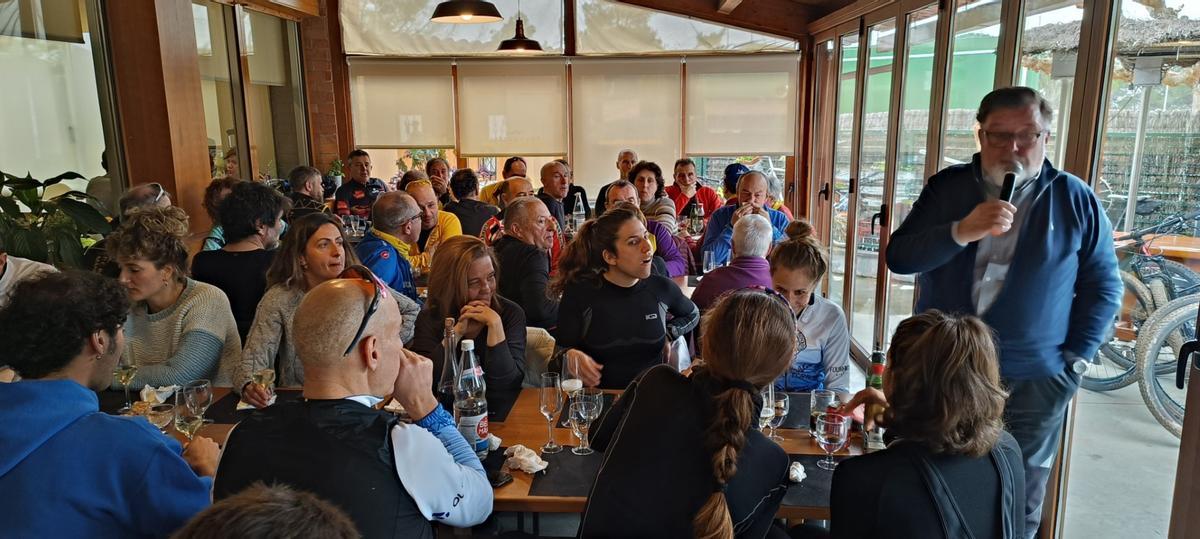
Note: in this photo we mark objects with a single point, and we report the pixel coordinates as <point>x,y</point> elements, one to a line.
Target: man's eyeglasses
<point>1000,139</point>
<point>364,274</point>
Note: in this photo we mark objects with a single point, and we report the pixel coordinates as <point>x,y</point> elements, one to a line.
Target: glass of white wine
<point>571,383</point>
<point>124,372</point>
<point>161,415</point>
<point>189,412</point>
<point>265,379</point>
<point>551,404</point>
<point>780,407</point>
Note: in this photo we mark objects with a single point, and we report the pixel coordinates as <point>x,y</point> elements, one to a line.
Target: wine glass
<point>710,261</point>
<point>767,412</point>
<point>780,407</point>
<point>265,378</point>
<point>160,416</point>
<point>124,372</point>
<point>831,434</point>
<point>820,401</point>
<point>581,413</point>
<point>571,384</point>
<point>551,405</point>
<point>189,410</point>
<point>203,392</point>
<point>594,396</point>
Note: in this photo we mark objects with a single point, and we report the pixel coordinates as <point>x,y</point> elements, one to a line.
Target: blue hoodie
<point>1062,287</point>
<point>68,470</point>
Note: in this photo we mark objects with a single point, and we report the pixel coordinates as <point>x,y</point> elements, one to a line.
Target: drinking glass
<point>552,401</point>
<point>831,434</point>
<point>594,396</point>
<point>189,412</point>
<point>780,408</point>
<point>571,384</point>
<point>581,413</point>
<point>767,412</point>
<point>710,261</point>
<point>820,401</point>
<point>124,372</point>
<point>203,394</point>
<point>266,379</point>
<point>161,415</point>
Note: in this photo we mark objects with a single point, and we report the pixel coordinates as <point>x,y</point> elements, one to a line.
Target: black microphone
<point>1006,190</point>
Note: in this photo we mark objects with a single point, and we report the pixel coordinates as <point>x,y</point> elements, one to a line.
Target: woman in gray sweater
<point>314,250</point>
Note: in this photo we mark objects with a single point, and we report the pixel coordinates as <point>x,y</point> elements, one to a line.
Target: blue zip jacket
<point>718,234</point>
<point>387,264</point>
<point>69,470</point>
<point>1062,287</point>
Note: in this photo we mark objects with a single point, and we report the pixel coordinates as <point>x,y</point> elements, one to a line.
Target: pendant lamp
<point>466,12</point>
<point>519,43</point>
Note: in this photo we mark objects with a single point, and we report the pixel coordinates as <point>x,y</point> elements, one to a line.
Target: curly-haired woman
<point>179,329</point>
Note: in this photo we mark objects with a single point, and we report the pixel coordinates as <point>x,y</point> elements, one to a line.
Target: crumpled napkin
<point>493,442</point>
<point>243,405</point>
<point>796,472</point>
<point>524,459</point>
<point>157,395</point>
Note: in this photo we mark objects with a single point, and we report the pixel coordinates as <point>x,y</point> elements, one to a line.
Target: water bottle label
<point>475,430</point>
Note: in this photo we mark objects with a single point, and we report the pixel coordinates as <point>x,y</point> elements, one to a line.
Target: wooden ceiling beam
<point>784,18</point>
<point>725,7</point>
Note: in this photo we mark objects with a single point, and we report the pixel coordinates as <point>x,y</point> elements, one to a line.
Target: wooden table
<point>525,425</point>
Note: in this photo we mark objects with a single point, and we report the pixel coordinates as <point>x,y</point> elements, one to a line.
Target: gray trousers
<point>1034,415</point>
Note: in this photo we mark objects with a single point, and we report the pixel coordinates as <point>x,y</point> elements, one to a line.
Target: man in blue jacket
<point>395,223</point>
<point>1039,269</point>
<point>752,198</point>
<point>66,468</point>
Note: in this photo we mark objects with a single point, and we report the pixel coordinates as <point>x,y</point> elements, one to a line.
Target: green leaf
<point>29,244</point>
<point>17,184</point>
<point>31,200</point>
<point>9,209</point>
<point>64,176</point>
<point>86,217</point>
<point>69,250</point>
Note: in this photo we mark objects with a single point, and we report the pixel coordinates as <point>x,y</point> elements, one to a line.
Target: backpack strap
<point>1012,512</point>
<point>952,521</point>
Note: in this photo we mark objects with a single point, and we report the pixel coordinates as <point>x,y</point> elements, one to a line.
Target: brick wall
<point>324,80</point>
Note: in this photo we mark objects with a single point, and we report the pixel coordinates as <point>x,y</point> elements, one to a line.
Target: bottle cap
<point>468,344</point>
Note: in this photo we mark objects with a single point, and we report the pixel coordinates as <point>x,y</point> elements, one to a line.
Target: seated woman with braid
<point>682,455</point>
<point>179,329</point>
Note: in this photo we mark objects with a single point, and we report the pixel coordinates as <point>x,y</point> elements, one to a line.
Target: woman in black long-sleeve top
<point>462,285</point>
<point>951,470</point>
<point>612,321</point>
<point>682,456</point>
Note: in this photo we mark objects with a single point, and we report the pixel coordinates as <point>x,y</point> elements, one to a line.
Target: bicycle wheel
<point>1184,281</point>
<point>1114,365</point>
<point>1174,321</point>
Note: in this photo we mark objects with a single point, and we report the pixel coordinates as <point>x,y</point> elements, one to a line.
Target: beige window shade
<point>403,28</point>
<point>52,20</point>
<point>264,49</point>
<point>624,103</point>
<point>404,104</point>
<point>609,27</point>
<point>741,105</point>
<point>512,107</point>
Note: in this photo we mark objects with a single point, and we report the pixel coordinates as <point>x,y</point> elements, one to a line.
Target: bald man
<point>436,226</point>
<point>752,198</point>
<point>555,184</point>
<point>338,444</point>
<point>508,191</point>
<point>626,158</point>
<point>396,223</point>
<point>524,256</point>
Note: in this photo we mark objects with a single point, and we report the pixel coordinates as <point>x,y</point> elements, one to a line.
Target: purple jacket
<point>741,272</point>
<point>676,263</point>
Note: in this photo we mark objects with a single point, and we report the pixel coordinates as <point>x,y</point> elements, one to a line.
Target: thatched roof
<point>1134,37</point>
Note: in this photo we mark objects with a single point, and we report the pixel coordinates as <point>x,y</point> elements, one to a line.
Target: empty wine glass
<point>831,434</point>
<point>581,413</point>
<point>161,415</point>
<point>779,407</point>
<point>189,412</point>
<point>202,390</point>
<point>820,401</point>
<point>594,396</point>
<point>710,261</point>
<point>551,404</point>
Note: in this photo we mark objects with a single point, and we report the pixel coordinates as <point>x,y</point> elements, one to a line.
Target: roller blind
<point>624,103</point>
<point>403,28</point>
<point>512,108</point>
<point>402,103</point>
<point>742,105</point>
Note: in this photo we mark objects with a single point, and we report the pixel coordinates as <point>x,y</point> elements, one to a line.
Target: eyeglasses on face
<point>1000,139</point>
<point>361,273</point>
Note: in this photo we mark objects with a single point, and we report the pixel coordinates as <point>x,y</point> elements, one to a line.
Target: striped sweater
<point>194,338</point>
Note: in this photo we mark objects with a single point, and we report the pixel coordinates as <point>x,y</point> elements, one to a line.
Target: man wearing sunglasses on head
<point>146,195</point>
<point>338,444</point>
<point>1027,248</point>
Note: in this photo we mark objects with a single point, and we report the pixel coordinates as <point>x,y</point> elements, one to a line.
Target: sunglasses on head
<point>361,273</point>
<point>770,292</point>
<point>161,191</point>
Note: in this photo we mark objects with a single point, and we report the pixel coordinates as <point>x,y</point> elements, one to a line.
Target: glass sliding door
<point>843,145</point>
<point>974,51</point>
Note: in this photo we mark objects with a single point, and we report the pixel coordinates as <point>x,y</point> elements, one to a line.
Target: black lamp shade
<point>466,12</point>
<point>520,43</point>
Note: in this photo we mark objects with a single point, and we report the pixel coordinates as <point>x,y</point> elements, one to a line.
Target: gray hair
<point>518,211</point>
<point>774,186</point>
<point>392,209</point>
<point>752,236</point>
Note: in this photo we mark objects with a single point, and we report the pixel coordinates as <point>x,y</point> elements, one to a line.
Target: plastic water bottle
<point>449,377</point>
<point>470,401</point>
<point>577,212</point>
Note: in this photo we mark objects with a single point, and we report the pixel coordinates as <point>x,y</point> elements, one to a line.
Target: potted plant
<point>50,231</point>
<point>335,172</point>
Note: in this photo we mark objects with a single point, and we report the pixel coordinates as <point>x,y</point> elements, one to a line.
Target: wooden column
<point>156,76</point>
<point>326,86</point>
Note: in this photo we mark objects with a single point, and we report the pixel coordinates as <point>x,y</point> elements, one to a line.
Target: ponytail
<point>725,437</point>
